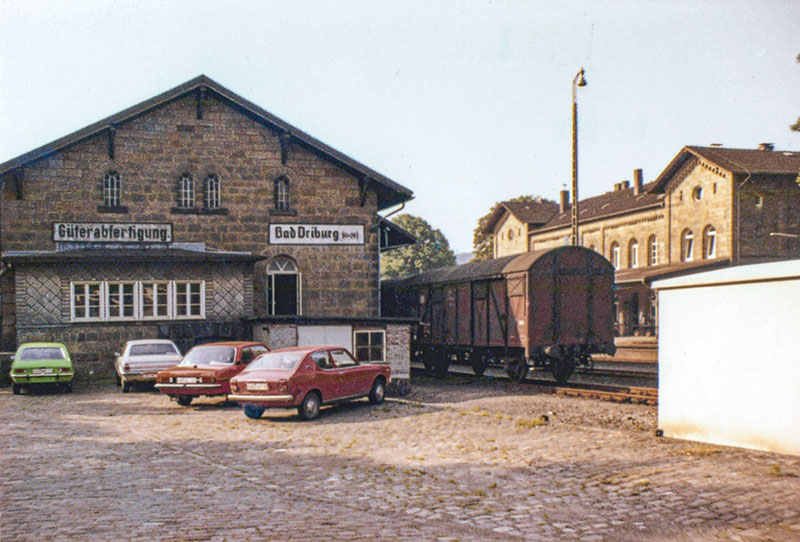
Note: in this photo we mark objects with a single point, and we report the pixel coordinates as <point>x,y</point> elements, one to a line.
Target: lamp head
<point>581,79</point>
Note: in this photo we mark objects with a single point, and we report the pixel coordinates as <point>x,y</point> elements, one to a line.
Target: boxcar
<point>548,309</point>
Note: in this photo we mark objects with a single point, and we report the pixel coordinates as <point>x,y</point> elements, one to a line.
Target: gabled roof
<point>389,192</point>
<point>607,204</point>
<point>534,213</point>
<point>737,161</point>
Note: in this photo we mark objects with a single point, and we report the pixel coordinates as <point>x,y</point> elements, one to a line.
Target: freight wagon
<point>548,309</point>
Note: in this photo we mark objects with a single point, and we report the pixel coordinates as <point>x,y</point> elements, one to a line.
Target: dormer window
<point>186,191</point>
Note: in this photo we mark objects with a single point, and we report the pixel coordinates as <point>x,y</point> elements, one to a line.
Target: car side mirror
<point>116,354</point>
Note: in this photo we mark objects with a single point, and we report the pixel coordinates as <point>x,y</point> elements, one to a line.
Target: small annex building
<point>729,366</point>
<point>196,215</point>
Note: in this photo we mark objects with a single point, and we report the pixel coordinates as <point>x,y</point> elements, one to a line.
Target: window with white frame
<point>283,287</point>
<point>687,246</point>
<point>186,191</point>
<point>212,195</point>
<point>615,255</point>
<point>652,250</point>
<point>137,300</point>
<point>111,189</point>
<point>85,300</point>
<point>188,299</point>
<point>709,242</point>
<point>370,345</point>
<point>633,254</point>
<point>121,300</point>
<point>155,300</point>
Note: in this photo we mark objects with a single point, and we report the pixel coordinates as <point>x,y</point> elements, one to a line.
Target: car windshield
<point>277,360</point>
<point>155,349</point>
<point>210,355</point>
<point>42,353</point>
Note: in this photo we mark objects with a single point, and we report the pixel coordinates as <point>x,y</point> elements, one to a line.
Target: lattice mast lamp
<point>577,81</point>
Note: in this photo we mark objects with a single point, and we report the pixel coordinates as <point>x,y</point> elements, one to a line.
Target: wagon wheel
<point>479,364</point>
<point>440,369</point>
<point>562,370</point>
<point>427,360</point>
<point>517,370</point>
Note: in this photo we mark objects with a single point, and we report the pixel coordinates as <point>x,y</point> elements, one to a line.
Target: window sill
<point>283,212</point>
<point>198,211</point>
<point>118,209</point>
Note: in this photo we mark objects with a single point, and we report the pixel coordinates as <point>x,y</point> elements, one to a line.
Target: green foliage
<point>483,243</point>
<point>431,250</point>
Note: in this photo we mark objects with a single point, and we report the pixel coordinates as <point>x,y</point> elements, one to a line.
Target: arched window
<point>186,191</point>
<point>633,253</point>
<point>281,194</point>
<point>709,242</point>
<point>212,192</point>
<point>615,254</point>
<point>652,250</point>
<point>284,287</point>
<point>687,246</point>
<point>111,189</point>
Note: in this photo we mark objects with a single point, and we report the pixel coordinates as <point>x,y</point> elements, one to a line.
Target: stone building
<point>196,215</point>
<point>710,207</point>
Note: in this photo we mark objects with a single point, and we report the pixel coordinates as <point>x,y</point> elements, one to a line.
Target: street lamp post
<point>577,81</point>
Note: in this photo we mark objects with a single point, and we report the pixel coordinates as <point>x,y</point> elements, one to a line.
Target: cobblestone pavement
<point>456,461</point>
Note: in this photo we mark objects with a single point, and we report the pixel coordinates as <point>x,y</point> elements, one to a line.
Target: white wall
<point>729,358</point>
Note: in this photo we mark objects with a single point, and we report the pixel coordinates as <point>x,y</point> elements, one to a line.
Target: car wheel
<point>15,388</point>
<point>378,392</point>
<point>253,412</point>
<point>68,387</point>
<point>126,386</point>
<point>309,408</point>
<point>184,400</point>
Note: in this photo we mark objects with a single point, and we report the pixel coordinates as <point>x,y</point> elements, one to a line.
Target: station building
<point>196,215</point>
<point>710,207</point>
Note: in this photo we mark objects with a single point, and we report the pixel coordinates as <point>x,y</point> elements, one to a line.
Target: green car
<point>41,364</point>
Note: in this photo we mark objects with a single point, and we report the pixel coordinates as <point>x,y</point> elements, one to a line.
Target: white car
<point>141,360</point>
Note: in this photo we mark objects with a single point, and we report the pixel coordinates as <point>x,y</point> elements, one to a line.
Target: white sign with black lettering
<point>106,232</point>
<point>316,234</point>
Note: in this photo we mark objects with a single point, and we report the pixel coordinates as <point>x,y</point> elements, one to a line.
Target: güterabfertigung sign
<point>108,232</point>
<point>316,234</point>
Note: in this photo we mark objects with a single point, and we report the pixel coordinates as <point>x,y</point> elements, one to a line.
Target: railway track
<point>643,395</point>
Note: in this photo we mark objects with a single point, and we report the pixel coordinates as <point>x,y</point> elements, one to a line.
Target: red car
<point>305,378</point>
<point>207,370</point>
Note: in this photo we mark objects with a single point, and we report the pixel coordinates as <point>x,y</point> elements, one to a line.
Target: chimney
<point>624,185</point>
<point>766,147</point>
<point>638,183</point>
<point>564,204</point>
<point>617,187</point>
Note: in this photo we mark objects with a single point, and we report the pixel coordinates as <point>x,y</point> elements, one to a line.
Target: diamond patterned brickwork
<point>39,297</point>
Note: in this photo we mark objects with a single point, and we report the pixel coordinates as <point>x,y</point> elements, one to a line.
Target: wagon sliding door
<point>567,304</point>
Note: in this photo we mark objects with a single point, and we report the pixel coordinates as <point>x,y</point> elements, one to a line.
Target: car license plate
<point>148,375</point>
<point>258,386</point>
<point>186,380</point>
<point>42,371</point>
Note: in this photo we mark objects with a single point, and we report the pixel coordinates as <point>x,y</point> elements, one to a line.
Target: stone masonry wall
<point>510,237</point>
<point>398,354</point>
<point>152,151</point>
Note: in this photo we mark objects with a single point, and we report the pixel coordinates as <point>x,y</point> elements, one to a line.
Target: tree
<point>483,243</point>
<point>431,250</point>
<point>796,125</point>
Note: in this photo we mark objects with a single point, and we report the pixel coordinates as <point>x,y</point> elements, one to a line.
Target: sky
<point>466,103</point>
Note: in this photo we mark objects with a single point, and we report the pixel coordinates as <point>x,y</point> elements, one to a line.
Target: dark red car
<point>207,370</point>
<point>305,378</point>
